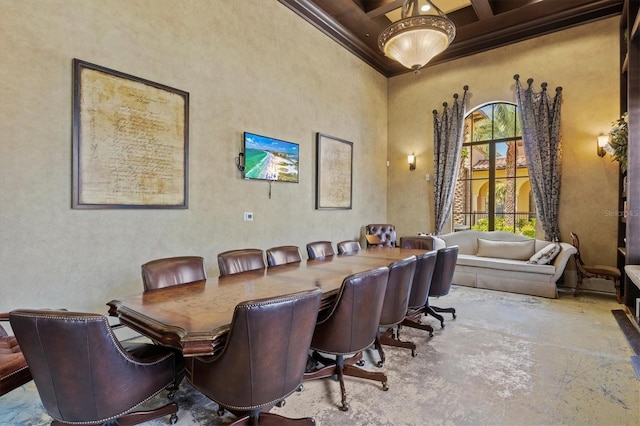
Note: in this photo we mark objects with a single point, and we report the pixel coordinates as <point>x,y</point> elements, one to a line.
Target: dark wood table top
<point>196,317</point>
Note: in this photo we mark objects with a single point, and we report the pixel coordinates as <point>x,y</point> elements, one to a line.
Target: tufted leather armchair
<point>13,367</point>
<point>386,233</point>
<point>85,375</point>
<point>171,271</point>
<point>441,282</point>
<point>425,266</point>
<point>318,249</point>
<point>350,326</point>
<point>242,260</point>
<point>263,360</point>
<point>394,308</point>
<point>282,255</point>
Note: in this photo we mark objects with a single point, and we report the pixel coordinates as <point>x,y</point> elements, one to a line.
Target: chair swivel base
<point>433,311</point>
<point>413,321</point>
<point>270,419</point>
<point>388,338</point>
<point>344,367</point>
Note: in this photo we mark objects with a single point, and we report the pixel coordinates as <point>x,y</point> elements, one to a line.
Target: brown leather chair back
<point>242,260</point>
<point>385,231</point>
<point>82,372</point>
<point>282,255</point>
<point>346,247</point>
<point>352,323</point>
<point>171,271</point>
<point>443,274</point>
<point>320,249</point>
<point>265,355</point>
<point>422,243</point>
<point>396,297</point>
<point>425,266</point>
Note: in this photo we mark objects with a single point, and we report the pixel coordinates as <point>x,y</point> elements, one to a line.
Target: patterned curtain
<point>448,132</point>
<point>540,120</point>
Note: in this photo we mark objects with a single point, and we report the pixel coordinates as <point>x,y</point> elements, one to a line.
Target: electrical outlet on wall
<point>248,216</point>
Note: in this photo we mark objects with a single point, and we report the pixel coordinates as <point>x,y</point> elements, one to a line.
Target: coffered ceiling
<point>480,24</point>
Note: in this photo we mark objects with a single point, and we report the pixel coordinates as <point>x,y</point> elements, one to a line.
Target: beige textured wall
<point>584,61</point>
<point>248,65</point>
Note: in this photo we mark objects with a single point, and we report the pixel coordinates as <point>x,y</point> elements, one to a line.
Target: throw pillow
<point>546,254</point>
<point>515,250</point>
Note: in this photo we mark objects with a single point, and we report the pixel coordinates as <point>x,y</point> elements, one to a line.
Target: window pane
<point>494,192</point>
<point>481,124</point>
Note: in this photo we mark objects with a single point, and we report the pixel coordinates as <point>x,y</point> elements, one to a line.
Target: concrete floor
<point>507,359</point>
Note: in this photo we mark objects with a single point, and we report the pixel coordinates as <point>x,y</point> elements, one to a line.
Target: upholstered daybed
<point>509,262</point>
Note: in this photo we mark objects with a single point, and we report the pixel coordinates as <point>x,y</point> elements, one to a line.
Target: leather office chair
<point>395,305</point>
<point>263,360</point>
<point>350,246</point>
<point>441,281</point>
<point>171,271</point>
<point>242,260</point>
<point>421,243</point>
<point>386,233</point>
<point>318,249</point>
<point>594,271</point>
<point>349,327</point>
<point>14,371</point>
<point>85,375</point>
<point>282,255</point>
<point>418,298</point>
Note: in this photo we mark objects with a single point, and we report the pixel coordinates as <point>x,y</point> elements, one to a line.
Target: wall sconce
<point>603,142</point>
<point>412,162</point>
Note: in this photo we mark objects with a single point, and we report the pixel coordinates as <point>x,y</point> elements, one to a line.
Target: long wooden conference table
<point>195,318</point>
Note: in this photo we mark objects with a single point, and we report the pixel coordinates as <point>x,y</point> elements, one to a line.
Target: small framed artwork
<point>130,141</point>
<point>334,175</point>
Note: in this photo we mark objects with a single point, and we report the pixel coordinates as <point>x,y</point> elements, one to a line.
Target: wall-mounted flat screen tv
<point>270,159</point>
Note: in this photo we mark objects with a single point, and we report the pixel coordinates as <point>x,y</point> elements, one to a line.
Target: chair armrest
<point>561,260</point>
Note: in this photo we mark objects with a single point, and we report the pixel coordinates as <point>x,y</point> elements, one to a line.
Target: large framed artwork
<point>130,141</point>
<point>333,172</point>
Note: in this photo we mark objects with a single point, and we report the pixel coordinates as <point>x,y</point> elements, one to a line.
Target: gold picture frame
<point>130,141</point>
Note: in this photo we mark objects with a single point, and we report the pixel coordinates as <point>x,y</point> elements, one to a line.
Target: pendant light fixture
<point>422,32</point>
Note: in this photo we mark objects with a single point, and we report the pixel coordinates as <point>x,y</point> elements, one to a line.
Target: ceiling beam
<point>482,9</point>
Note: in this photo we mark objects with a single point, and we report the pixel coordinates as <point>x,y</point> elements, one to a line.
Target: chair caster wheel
<point>379,364</point>
<point>454,316</point>
<point>344,407</point>
<point>431,334</point>
<point>280,403</point>
<point>173,419</point>
<point>360,363</point>
<point>220,412</point>
<point>385,386</point>
<point>442,324</point>
<point>171,394</point>
<point>300,388</point>
<point>413,353</point>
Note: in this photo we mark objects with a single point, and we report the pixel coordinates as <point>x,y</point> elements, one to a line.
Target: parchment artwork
<point>333,180</point>
<point>130,141</point>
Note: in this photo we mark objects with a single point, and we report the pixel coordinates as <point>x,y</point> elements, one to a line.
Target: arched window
<point>493,190</point>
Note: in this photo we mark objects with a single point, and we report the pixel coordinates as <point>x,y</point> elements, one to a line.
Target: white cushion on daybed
<point>504,264</point>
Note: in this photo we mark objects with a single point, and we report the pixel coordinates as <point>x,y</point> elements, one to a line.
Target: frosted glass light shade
<point>415,48</point>
<point>415,40</point>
